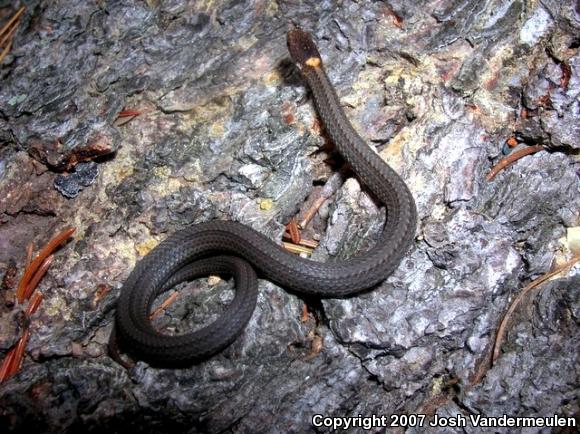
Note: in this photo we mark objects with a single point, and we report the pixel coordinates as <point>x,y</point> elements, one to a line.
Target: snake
<point>229,248</point>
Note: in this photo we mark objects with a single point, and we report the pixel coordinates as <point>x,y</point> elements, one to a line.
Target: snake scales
<point>230,248</point>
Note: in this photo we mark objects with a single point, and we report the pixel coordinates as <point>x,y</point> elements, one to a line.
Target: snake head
<point>303,50</point>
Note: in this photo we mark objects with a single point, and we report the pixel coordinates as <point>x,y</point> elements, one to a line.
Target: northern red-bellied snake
<point>226,247</point>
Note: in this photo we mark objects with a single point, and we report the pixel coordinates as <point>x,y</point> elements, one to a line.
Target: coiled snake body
<point>225,247</point>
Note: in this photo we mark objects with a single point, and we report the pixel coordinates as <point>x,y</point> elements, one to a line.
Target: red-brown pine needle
<point>37,262</point>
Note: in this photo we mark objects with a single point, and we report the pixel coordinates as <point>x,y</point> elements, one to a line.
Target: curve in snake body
<point>225,247</point>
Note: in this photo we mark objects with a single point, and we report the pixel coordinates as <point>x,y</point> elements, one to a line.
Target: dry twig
<point>166,303</point>
<point>293,231</point>
<point>502,329</point>
<point>295,248</point>
<point>511,159</point>
<point>7,32</point>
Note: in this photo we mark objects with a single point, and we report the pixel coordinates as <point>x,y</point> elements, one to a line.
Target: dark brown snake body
<point>225,247</point>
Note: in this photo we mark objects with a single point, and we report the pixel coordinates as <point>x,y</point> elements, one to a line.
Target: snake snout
<point>302,49</point>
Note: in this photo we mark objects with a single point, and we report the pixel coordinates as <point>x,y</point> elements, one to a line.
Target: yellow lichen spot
<point>164,184</point>
<point>313,62</point>
<point>216,111</point>
<point>245,43</point>
<point>361,84</point>
<point>162,172</point>
<point>352,100</point>
<point>366,81</point>
<point>272,8</point>
<point>266,204</point>
<point>121,249</point>
<point>392,154</point>
<point>573,239</point>
<point>439,212</point>
<point>272,79</point>
<point>213,280</point>
<point>437,386</point>
<point>172,185</point>
<point>191,171</point>
<point>56,306</point>
<point>217,130</point>
<point>124,171</point>
<point>119,168</point>
<point>146,247</point>
<point>394,76</point>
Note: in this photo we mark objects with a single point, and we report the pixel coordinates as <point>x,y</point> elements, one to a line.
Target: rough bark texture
<point>227,131</point>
